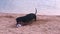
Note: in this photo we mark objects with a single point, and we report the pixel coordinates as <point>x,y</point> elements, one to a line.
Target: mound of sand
<point>43,25</point>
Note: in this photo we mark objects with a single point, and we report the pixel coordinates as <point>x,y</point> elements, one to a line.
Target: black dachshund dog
<point>24,20</point>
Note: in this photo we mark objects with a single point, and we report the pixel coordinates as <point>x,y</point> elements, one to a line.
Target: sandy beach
<point>43,25</point>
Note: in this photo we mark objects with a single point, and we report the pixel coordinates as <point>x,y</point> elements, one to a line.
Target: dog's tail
<point>35,11</point>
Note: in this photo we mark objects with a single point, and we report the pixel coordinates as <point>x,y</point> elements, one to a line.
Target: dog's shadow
<point>40,21</point>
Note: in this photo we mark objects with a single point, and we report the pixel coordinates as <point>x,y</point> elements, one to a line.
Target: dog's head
<point>19,24</point>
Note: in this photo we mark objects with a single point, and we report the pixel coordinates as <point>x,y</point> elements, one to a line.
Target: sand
<point>43,25</point>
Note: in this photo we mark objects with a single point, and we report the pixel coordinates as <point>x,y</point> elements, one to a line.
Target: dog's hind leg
<point>35,18</point>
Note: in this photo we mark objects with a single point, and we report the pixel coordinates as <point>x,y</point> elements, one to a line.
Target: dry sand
<point>43,25</point>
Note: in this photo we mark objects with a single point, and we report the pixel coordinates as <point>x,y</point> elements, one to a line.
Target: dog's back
<point>31,16</point>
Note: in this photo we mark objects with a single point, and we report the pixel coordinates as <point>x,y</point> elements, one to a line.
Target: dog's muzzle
<point>18,25</point>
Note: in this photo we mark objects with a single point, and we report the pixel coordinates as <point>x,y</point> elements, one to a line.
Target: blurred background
<point>44,7</point>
